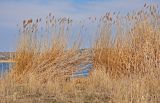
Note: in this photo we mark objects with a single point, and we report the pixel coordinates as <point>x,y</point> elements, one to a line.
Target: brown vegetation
<point>126,62</point>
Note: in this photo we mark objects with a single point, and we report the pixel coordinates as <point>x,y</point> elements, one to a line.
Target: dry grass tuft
<point>135,48</point>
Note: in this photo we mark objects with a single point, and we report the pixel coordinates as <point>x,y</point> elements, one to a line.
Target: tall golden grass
<point>47,58</point>
<point>125,57</point>
<point>135,49</point>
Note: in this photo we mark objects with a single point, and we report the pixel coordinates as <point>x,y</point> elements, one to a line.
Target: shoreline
<point>7,61</point>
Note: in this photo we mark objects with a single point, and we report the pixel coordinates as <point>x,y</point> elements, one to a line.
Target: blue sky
<point>13,12</point>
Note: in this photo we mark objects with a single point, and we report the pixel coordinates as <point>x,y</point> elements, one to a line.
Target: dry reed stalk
<point>134,50</point>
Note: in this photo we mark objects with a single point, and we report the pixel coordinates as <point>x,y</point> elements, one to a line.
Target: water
<point>5,67</point>
<point>84,72</point>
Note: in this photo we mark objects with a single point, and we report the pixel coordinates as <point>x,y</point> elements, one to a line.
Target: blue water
<point>84,72</point>
<point>5,67</point>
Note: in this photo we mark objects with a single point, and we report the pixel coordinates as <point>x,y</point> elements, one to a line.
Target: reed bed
<point>125,54</point>
<point>135,47</point>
